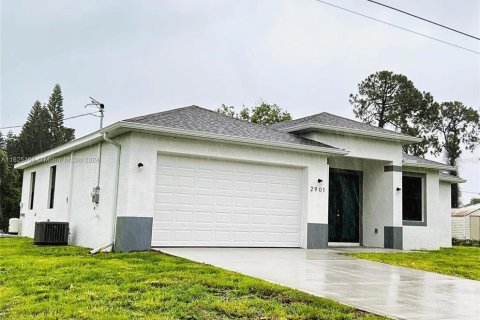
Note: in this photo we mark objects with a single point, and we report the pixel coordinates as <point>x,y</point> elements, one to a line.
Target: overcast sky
<point>144,56</point>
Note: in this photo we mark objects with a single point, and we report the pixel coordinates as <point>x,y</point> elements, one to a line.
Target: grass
<point>68,283</point>
<point>461,262</point>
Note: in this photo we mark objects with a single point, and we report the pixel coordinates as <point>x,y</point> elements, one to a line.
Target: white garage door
<point>205,202</point>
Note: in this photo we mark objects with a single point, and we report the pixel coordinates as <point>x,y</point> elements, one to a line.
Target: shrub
<point>466,242</point>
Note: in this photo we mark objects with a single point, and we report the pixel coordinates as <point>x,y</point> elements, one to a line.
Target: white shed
<point>465,222</point>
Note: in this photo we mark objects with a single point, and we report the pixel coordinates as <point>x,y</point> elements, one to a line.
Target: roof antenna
<point>100,106</point>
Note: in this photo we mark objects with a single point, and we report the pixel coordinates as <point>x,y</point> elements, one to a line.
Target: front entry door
<point>344,206</point>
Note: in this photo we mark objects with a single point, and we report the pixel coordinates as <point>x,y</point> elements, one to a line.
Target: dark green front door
<point>344,206</point>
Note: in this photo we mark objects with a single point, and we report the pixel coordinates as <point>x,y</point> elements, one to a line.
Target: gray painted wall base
<point>317,236</point>
<point>133,234</point>
<point>393,237</point>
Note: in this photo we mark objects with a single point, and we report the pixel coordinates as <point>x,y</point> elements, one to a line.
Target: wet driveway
<point>379,288</point>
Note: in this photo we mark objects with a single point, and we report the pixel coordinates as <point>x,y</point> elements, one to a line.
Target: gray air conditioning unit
<point>51,233</point>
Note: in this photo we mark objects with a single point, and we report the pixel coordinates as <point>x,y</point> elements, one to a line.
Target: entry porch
<point>364,203</point>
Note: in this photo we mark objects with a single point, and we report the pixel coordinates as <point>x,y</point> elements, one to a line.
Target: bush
<point>466,242</point>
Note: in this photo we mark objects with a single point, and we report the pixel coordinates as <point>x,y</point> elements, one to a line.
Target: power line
<point>470,192</point>
<point>68,118</point>
<point>399,27</point>
<point>424,19</point>
<point>11,127</point>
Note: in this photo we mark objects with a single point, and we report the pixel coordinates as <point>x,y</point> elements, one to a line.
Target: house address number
<point>317,189</point>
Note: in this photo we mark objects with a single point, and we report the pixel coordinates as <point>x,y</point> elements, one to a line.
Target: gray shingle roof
<point>409,160</point>
<point>329,119</point>
<point>420,160</point>
<point>194,118</point>
<point>451,177</point>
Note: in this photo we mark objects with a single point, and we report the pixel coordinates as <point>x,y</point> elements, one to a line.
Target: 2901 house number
<point>317,189</point>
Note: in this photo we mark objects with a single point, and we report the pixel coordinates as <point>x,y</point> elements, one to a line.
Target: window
<point>51,191</point>
<point>413,201</point>
<point>32,189</point>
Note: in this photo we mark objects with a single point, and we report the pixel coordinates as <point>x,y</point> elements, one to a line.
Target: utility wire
<point>470,192</point>
<point>11,127</point>
<point>399,27</point>
<point>430,21</point>
<point>68,118</point>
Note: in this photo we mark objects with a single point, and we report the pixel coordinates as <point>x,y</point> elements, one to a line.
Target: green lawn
<point>68,283</point>
<point>456,261</point>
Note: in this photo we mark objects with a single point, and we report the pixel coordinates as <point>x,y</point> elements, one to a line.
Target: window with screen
<point>413,198</point>
<point>32,189</point>
<point>51,190</point>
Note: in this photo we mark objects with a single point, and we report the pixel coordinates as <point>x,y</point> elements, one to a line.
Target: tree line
<point>43,130</point>
<point>388,100</point>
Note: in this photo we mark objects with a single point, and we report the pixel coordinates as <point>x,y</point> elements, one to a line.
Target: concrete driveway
<point>379,288</point>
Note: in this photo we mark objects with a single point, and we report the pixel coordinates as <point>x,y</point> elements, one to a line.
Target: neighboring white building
<point>194,177</point>
<point>465,222</point>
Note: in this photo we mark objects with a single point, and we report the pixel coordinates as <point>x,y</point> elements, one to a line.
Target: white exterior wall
<point>428,237</point>
<point>136,197</point>
<point>445,216</point>
<point>377,202</point>
<point>359,147</point>
<point>381,203</point>
<point>461,227</point>
<point>40,211</point>
<point>382,185</point>
<point>90,225</point>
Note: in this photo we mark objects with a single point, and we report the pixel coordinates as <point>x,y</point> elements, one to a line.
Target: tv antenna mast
<point>100,106</point>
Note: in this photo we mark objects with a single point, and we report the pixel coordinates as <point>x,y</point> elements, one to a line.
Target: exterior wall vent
<point>51,233</point>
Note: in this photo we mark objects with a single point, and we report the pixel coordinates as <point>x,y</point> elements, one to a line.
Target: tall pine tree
<point>43,130</point>
<point>35,136</point>
<point>3,141</point>
<point>9,192</point>
<point>59,133</point>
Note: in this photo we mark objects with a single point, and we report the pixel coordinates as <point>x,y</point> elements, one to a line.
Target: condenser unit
<point>51,233</point>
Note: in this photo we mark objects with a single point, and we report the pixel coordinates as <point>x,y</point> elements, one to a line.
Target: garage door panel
<point>223,217</point>
<point>259,204</point>
<point>161,235</point>
<point>205,182</point>
<point>259,186</point>
<point>186,181</point>
<point>204,217</point>
<point>205,202</point>
<point>206,235</point>
<point>222,184</point>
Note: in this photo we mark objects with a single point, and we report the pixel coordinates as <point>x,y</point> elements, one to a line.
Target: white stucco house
<point>194,177</point>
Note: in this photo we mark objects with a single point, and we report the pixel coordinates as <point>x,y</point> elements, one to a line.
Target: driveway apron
<point>396,292</point>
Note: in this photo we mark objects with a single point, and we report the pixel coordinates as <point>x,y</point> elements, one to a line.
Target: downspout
<point>70,189</point>
<point>99,157</point>
<point>117,175</point>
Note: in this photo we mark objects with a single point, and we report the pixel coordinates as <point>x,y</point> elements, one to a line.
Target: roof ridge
<point>293,120</point>
<point>311,120</point>
<point>267,127</point>
<point>211,111</point>
<point>229,117</point>
<point>243,125</point>
<point>357,121</point>
<point>161,112</point>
